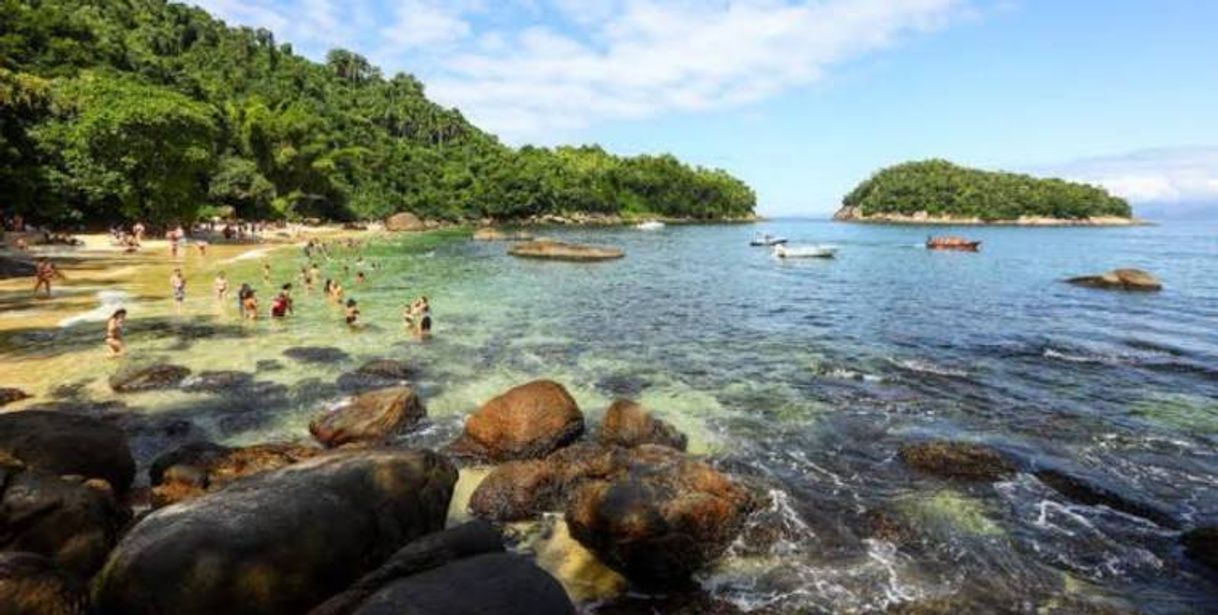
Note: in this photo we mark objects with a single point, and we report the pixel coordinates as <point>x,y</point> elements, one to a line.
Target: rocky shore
<point>853,214</point>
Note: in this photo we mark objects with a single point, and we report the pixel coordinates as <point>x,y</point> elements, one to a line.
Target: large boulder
<point>9,395</point>
<point>370,417</point>
<point>31,584</point>
<point>557,250</point>
<point>74,523</point>
<point>661,519</point>
<point>1120,279</point>
<point>1201,544</point>
<point>528,421</point>
<point>629,424</point>
<point>404,221</point>
<point>958,460</point>
<point>62,444</point>
<point>148,378</point>
<point>522,489</point>
<point>191,470</point>
<point>278,542</point>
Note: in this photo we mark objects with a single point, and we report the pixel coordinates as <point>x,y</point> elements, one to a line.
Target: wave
<point>110,300</point>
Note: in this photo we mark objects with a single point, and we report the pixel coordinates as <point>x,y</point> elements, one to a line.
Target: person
<point>221,286</point>
<point>22,244</point>
<point>352,313</point>
<point>114,332</point>
<point>282,305</point>
<point>138,232</point>
<point>202,247</point>
<point>328,289</point>
<point>178,284</point>
<point>44,272</point>
<point>336,292</point>
<point>306,280</point>
<point>242,293</point>
<point>266,273</point>
<point>249,306</point>
<point>418,317</point>
<point>360,278</point>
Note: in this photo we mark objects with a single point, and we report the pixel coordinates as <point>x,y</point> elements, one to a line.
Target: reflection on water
<point>805,376</point>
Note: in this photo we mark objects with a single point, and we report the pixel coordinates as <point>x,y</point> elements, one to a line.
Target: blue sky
<point>803,99</point>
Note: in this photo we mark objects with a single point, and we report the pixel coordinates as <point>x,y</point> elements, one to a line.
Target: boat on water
<point>767,240</point>
<point>650,225</point>
<point>782,251</point>
<point>950,242</point>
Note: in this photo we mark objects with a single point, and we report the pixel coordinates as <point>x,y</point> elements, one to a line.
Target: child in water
<point>221,286</point>
<point>352,313</point>
<point>249,306</point>
<point>114,332</point>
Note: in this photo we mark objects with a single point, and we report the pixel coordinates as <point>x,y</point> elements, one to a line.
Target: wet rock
<point>73,523</point>
<point>676,603</point>
<point>1093,494</point>
<point>661,519</point>
<point>31,584</point>
<point>523,489</point>
<point>279,542</point>
<point>197,468</point>
<point>1120,279</point>
<point>15,268</point>
<point>370,417</point>
<point>629,424</point>
<point>9,395</point>
<point>623,384</point>
<point>958,460</point>
<point>268,365</point>
<point>404,221</point>
<point>62,443</point>
<point>218,381</point>
<point>1201,544</point>
<point>378,374</point>
<point>316,354</point>
<point>549,249</point>
<point>528,421</point>
<point>148,378</point>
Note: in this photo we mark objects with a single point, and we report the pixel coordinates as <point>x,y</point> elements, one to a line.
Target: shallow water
<point>805,376</point>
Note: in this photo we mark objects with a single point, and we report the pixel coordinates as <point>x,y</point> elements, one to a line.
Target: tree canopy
<point>941,188</point>
<point>117,109</point>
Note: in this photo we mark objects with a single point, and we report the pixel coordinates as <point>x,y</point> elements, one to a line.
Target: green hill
<point>123,109</point>
<point>945,190</point>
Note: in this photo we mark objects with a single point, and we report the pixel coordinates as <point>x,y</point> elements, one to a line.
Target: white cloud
<point>1167,175</point>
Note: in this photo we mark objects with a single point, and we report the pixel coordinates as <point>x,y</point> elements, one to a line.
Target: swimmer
<point>114,332</point>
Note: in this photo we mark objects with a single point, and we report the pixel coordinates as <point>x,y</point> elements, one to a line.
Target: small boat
<point>650,225</point>
<point>952,243</point>
<point>782,251</point>
<point>767,240</point>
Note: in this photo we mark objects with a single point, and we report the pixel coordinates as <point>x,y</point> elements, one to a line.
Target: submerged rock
<point>1120,279</point>
<point>958,460</point>
<point>62,443</point>
<point>279,542</point>
<point>31,584</point>
<point>528,421</point>
<point>370,417</point>
<point>629,424</point>
<point>148,378</point>
<point>662,518</point>
<point>557,250</point>
<point>199,467</point>
<point>378,374</point>
<point>9,395</point>
<point>316,354</point>
<point>1201,544</point>
<point>218,381</point>
<point>1092,494</point>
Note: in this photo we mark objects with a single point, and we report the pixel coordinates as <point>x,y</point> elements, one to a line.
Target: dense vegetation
<point>123,109</point>
<point>941,188</point>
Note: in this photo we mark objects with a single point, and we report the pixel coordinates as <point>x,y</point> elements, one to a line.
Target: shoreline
<point>1027,221</point>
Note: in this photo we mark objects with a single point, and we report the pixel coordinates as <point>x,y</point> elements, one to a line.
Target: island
<point>940,192</point>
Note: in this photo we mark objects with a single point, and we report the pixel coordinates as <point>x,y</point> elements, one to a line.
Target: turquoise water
<point>805,376</point>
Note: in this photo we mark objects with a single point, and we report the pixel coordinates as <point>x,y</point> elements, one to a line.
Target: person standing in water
<point>178,284</point>
<point>114,332</point>
<point>44,272</point>
<point>352,314</point>
<point>221,287</point>
<point>249,306</point>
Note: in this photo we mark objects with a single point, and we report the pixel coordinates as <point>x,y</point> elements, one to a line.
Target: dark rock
<point>629,424</point>
<point>148,378</point>
<point>528,421</point>
<point>62,443</point>
<point>197,468</point>
<point>218,381</point>
<point>370,417</point>
<point>278,542</point>
<point>623,385</point>
<point>378,374</point>
<point>31,584</point>
<point>73,523</point>
<point>316,354</point>
<point>1120,279</point>
<point>1201,544</point>
<point>1092,494</point>
<point>522,489</point>
<point>15,268</point>
<point>268,365</point>
<point>661,519</point>
<point>958,460</point>
<point>9,395</point>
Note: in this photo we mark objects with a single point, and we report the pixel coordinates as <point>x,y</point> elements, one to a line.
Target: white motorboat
<point>767,240</point>
<point>805,251</point>
<point>650,225</point>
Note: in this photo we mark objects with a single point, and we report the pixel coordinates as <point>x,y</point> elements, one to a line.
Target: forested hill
<point>942,189</point>
<point>123,109</point>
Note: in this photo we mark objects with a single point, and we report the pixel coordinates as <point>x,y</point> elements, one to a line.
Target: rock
<point>958,460</point>
<point>370,417</point>
<point>662,519</point>
<point>430,551</point>
<point>15,268</point>
<point>31,584</point>
<point>9,395</point>
<point>316,354</point>
<point>148,378</point>
<point>279,542</point>
<point>694,602</point>
<point>519,490</point>
<point>557,250</point>
<point>71,522</point>
<point>378,374</point>
<point>218,381</point>
<point>528,421</point>
<point>500,583</point>
<point>1093,494</point>
<point>1120,279</point>
<point>68,444</point>
<point>1201,544</point>
<point>404,221</point>
<point>197,468</point>
<point>268,365</point>
<point>629,424</point>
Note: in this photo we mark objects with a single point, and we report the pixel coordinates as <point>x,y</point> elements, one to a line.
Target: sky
<point>803,99</point>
